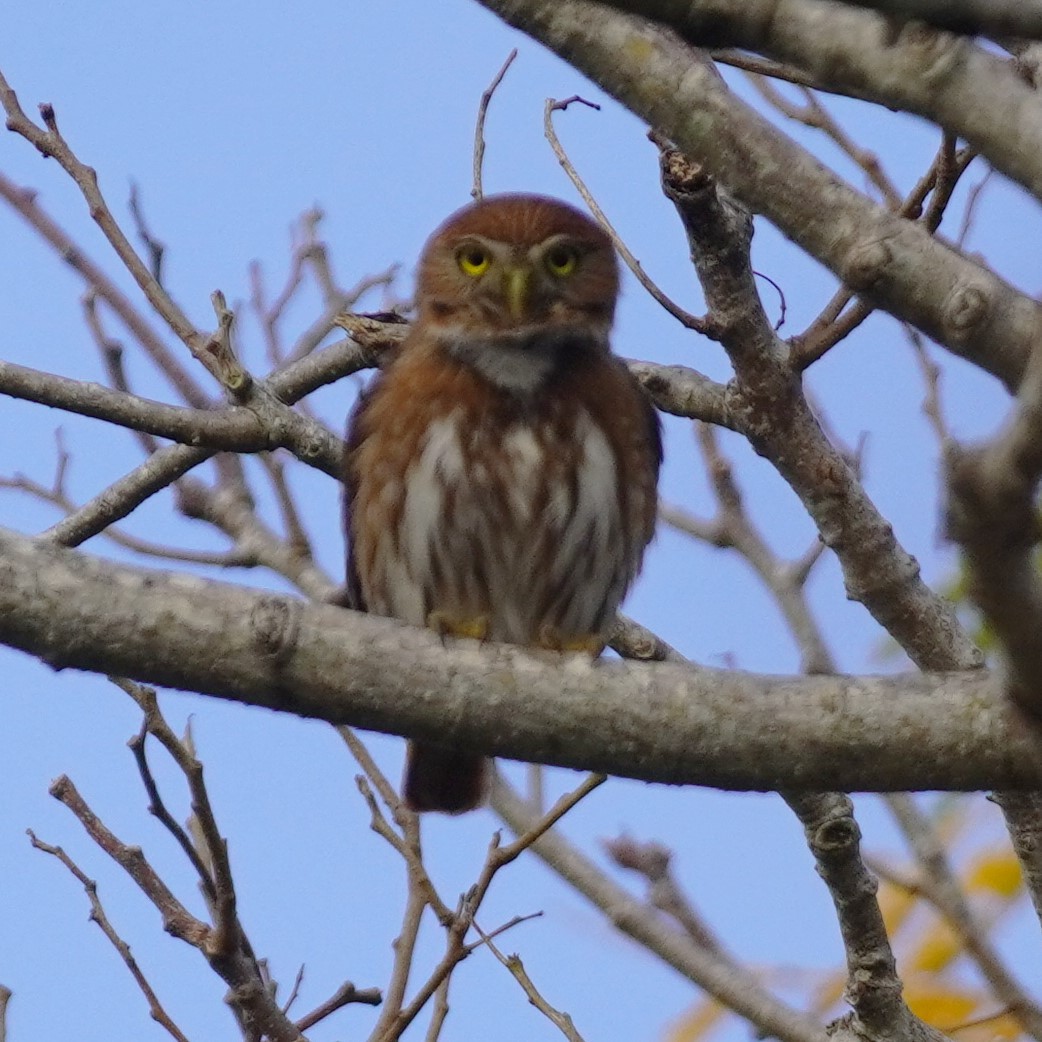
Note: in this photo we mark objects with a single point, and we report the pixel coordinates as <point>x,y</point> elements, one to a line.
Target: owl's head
<point>513,281</point>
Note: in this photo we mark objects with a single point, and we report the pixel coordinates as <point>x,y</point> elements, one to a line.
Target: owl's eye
<point>473,260</point>
<point>561,261</point>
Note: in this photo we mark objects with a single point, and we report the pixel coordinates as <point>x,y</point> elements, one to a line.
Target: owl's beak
<point>517,283</point>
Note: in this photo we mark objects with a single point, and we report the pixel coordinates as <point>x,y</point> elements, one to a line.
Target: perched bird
<point>501,471</point>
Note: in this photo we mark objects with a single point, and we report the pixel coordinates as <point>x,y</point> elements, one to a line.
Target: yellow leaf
<point>1003,1026</point>
<point>896,903</point>
<point>937,950</point>
<point>941,1007</point>
<point>998,872</point>
<point>697,1022</point>
<point>959,1013</point>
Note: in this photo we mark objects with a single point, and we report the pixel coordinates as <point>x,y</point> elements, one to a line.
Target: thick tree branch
<point>873,986</point>
<point>994,18</point>
<point>233,429</point>
<point>992,512</point>
<point>889,260</point>
<point>767,400</point>
<point>311,442</point>
<point>659,722</point>
<point>956,84</point>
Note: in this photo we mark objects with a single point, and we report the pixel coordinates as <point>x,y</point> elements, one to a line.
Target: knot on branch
<point>275,626</point>
<point>965,309</point>
<point>866,264</point>
<point>836,835</point>
<point>927,53</point>
<point>682,176</point>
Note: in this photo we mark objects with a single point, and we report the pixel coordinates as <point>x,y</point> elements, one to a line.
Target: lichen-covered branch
<point>949,80</point>
<point>655,721</point>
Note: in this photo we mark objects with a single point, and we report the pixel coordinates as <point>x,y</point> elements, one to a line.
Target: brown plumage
<point>501,471</point>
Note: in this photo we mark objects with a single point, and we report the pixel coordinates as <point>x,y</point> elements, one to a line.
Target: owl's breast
<point>518,523</point>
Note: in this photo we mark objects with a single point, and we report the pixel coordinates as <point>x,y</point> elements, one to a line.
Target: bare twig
<point>479,130</point>
<point>438,1013</point>
<point>97,915</point>
<point>732,984</point>
<point>5,998</point>
<point>296,535</point>
<point>969,214</point>
<point>346,995</point>
<point>155,248</point>
<point>49,141</point>
<point>933,407</point>
<point>513,963</point>
<point>394,1021</point>
<point>25,203</point>
<point>654,862</point>
<point>938,883</point>
<point>685,318</point>
<point>813,114</point>
<point>833,324</point>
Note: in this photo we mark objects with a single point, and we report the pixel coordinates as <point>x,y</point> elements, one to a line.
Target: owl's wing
<point>352,440</point>
<point>650,448</point>
<point>654,421</point>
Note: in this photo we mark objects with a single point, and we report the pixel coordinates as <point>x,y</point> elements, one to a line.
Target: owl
<point>501,471</point>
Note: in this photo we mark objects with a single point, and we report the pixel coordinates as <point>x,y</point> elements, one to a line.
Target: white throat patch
<point>519,368</point>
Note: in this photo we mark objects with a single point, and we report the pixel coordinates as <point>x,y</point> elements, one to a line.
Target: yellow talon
<point>446,625</point>
<point>588,644</point>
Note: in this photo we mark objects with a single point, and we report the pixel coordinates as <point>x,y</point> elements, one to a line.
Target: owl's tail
<point>444,779</point>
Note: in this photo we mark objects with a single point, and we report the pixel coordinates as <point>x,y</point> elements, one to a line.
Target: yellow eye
<point>561,261</point>
<point>473,260</point>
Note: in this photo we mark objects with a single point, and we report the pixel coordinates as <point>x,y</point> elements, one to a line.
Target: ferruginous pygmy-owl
<point>501,471</point>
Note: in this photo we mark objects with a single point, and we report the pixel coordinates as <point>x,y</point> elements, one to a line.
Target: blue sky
<point>233,119</point>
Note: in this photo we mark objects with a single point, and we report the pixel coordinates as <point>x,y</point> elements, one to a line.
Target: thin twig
<point>939,885</point>
<point>216,876</point>
<point>346,995</point>
<point>685,318</point>
<point>719,976</point>
<point>438,1014</point>
<point>97,915</point>
<point>970,211</point>
<point>814,115</point>
<point>50,142</point>
<point>654,862</point>
<point>513,963</point>
<point>933,407</point>
<point>5,998</point>
<point>833,324</point>
<point>155,248</point>
<point>25,203</point>
<point>479,130</point>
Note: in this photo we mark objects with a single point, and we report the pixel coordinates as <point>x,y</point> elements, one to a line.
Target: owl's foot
<point>445,625</point>
<point>591,644</point>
